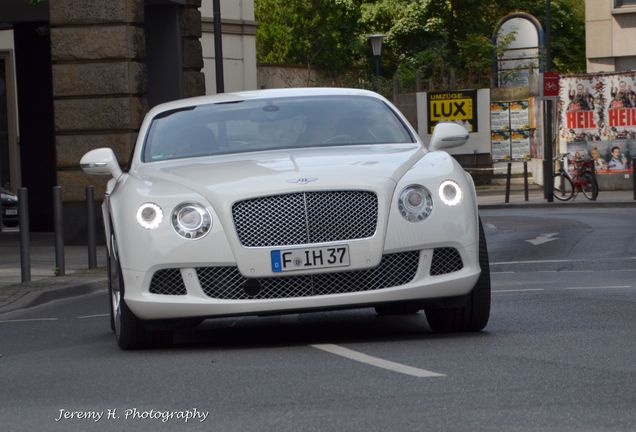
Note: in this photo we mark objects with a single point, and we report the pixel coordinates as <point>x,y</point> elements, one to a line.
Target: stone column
<point>99,86</point>
<point>193,78</point>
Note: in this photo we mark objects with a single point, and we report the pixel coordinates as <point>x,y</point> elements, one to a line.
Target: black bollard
<point>90,212</point>
<point>508,178</point>
<point>634,178</point>
<point>525,179</point>
<point>58,221</point>
<point>25,249</point>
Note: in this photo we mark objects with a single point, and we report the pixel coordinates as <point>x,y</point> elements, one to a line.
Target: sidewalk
<point>45,286</point>
<point>495,197</point>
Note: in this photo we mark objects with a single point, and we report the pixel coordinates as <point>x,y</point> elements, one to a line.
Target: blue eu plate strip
<point>276,263</point>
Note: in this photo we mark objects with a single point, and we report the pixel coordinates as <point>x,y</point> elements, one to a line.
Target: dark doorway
<point>163,30</point>
<point>5,178</point>
<point>35,111</point>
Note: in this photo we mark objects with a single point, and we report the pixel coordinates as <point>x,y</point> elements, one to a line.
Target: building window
<point>622,3</point>
<point>624,6</point>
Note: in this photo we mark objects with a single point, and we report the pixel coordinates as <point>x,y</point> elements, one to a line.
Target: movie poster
<point>598,120</point>
<point>520,144</point>
<point>510,130</point>
<point>499,116</point>
<point>519,117</point>
<point>500,145</point>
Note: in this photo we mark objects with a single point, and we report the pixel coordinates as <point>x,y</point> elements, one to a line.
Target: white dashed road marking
<point>28,320</point>
<point>599,287</point>
<point>93,316</point>
<point>377,362</point>
<point>518,290</point>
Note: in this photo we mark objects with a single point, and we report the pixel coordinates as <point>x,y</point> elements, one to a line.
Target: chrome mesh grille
<point>445,260</point>
<point>309,217</point>
<point>167,282</point>
<point>227,283</point>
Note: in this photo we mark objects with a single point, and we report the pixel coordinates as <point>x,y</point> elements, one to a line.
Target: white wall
<point>239,50</point>
<point>478,141</point>
<point>6,44</point>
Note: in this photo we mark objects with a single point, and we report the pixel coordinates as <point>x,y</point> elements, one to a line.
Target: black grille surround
<point>445,260</point>
<point>168,282</point>
<point>305,217</point>
<point>227,283</point>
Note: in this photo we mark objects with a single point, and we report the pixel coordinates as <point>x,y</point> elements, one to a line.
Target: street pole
<point>25,238</point>
<point>376,48</point>
<point>218,46</point>
<point>549,151</point>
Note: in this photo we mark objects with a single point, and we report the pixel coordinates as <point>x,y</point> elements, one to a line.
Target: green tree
<point>445,41</point>
<point>314,33</point>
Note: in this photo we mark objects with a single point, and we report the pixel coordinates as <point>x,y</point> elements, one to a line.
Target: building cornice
<point>230,26</point>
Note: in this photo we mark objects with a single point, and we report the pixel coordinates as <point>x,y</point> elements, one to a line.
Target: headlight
<point>8,198</point>
<point>191,220</point>
<point>415,203</point>
<point>450,193</point>
<point>149,215</point>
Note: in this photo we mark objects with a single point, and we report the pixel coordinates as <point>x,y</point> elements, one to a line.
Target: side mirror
<point>448,135</point>
<point>101,161</point>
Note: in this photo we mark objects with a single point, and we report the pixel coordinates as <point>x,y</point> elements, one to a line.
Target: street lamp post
<point>376,46</point>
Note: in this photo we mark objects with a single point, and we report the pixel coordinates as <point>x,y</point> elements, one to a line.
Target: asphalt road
<point>557,355</point>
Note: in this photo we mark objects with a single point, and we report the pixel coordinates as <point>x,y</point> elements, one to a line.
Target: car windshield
<point>271,124</point>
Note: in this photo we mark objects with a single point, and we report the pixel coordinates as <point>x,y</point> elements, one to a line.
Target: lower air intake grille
<point>445,260</point>
<point>228,283</point>
<point>168,282</point>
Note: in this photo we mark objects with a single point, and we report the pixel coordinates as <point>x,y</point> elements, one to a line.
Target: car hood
<point>273,172</point>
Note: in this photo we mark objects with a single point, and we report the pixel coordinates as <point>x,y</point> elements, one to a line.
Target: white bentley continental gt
<point>289,201</point>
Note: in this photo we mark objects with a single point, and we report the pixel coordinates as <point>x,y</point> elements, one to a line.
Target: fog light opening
<point>252,287</point>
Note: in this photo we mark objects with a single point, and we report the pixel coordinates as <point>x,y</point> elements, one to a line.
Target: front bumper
<point>196,300</point>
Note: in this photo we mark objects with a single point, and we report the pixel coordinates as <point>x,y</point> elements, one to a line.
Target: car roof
<point>260,94</point>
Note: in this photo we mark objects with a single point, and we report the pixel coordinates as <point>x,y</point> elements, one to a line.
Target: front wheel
<point>474,315</point>
<point>129,330</point>
<point>562,187</point>
<point>590,187</point>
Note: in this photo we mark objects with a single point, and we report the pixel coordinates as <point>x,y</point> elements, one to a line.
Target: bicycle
<point>568,184</point>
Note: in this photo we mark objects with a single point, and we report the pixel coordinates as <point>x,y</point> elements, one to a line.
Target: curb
<point>582,204</point>
<point>43,296</point>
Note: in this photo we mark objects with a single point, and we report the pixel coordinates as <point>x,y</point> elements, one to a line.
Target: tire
<point>562,188</point>
<point>109,269</point>
<point>129,330</point>
<point>474,315</point>
<point>590,189</point>
<point>397,309</point>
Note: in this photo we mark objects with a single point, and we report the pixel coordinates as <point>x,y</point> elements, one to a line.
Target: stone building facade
<point>85,72</point>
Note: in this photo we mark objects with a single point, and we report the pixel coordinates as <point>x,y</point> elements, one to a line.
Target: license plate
<point>309,258</point>
<point>11,212</point>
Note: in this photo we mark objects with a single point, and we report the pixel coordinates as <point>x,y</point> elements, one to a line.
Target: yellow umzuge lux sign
<point>457,106</point>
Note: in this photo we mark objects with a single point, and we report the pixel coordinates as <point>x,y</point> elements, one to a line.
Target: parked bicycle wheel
<point>590,187</point>
<point>562,187</point>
